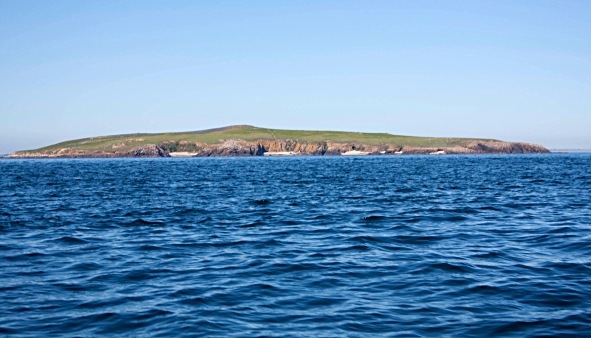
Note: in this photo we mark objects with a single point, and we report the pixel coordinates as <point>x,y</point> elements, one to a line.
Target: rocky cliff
<point>258,148</point>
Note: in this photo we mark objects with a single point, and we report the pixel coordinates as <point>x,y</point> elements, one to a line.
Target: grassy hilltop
<point>250,133</point>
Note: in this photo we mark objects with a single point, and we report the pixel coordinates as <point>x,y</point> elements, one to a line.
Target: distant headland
<point>247,140</point>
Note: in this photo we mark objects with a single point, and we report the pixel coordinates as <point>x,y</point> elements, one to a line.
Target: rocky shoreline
<point>236,147</point>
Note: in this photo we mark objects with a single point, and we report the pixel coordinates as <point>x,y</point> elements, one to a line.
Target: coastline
<point>246,140</point>
<point>240,148</point>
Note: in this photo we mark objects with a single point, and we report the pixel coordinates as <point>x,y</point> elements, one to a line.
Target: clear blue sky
<point>510,70</point>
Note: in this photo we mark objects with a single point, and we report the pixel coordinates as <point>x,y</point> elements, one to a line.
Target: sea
<point>369,246</point>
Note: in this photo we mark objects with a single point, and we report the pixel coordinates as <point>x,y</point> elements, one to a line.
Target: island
<point>247,140</point>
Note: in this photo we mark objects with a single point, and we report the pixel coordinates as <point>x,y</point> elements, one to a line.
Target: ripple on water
<point>303,246</point>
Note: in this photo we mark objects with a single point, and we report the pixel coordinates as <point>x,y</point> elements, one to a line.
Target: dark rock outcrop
<point>148,150</point>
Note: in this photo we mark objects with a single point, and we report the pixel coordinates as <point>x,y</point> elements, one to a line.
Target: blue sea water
<point>410,246</point>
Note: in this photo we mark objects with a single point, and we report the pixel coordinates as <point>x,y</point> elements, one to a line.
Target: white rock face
<point>281,153</point>
<point>355,153</point>
<point>182,154</point>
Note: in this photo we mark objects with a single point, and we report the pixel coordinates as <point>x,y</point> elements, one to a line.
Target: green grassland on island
<point>250,133</point>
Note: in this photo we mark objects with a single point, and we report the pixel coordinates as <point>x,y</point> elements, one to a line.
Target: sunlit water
<point>304,246</point>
